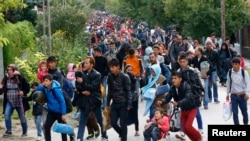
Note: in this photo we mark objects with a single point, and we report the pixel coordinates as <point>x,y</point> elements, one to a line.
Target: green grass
<point>248,70</point>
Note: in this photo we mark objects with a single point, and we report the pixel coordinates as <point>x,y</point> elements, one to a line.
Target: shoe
<point>72,137</point>
<point>97,133</point>
<point>39,138</point>
<point>205,107</point>
<point>24,135</point>
<point>181,137</point>
<point>201,131</point>
<point>216,101</point>
<point>90,137</point>
<point>7,134</point>
<point>137,133</point>
<point>104,139</point>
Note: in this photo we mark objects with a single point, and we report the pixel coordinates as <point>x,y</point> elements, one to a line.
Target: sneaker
<point>201,131</point>
<point>72,137</point>
<point>7,134</point>
<point>216,101</point>
<point>24,135</point>
<point>97,133</point>
<point>205,107</point>
<point>181,137</point>
<point>104,139</point>
<point>39,138</point>
<point>90,137</point>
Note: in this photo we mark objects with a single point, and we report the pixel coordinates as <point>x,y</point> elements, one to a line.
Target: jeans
<point>154,135</point>
<point>83,120</point>
<point>38,122</point>
<point>199,118</point>
<point>187,119</point>
<point>104,83</point>
<point>119,111</point>
<point>8,113</point>
<point>213,78</point>
<point>206,93</point>
<point>242,103</point>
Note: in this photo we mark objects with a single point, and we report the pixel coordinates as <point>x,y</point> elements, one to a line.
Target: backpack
<point>194,81</point>
<point>68,103</point>
<point>230,73</point>
<point>68,87</point>
<point>175,123</point>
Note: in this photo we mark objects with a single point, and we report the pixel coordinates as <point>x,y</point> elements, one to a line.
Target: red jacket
<point>164,122</point>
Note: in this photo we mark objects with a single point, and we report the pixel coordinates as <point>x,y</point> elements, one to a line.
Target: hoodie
<point>55,102</point>
<point>71,73</point>
<point>41,73</point>
<point>148,50</point>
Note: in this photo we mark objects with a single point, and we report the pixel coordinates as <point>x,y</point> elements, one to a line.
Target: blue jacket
<point>56,102</point>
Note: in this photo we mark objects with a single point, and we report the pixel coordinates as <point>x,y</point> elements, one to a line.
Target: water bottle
<point>63,128</point>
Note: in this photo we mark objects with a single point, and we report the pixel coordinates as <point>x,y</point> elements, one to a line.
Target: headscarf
<point>148,92</point>
<point>152,80</point>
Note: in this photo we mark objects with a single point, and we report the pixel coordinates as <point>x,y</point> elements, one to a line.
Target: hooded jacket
<point>55,102</point>
<point>40,72</point>
<point>71,73</point>
<point>148,50</point>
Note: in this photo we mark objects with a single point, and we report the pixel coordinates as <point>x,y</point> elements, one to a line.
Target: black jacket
<point>91,82</point>
<point>183,97</point>
<point>119,89</point>
<point>37,108</point>
<point>23,86</point>
<point>213,57</point>
<point>196,64</point>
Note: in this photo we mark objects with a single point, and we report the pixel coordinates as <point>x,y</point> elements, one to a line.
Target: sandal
<point>137,133</point>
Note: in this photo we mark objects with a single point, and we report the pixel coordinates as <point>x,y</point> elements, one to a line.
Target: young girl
<point>162,123</point>
<point>42,70</point>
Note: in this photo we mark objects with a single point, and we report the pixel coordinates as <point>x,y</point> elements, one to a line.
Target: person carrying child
<point>157,127</point>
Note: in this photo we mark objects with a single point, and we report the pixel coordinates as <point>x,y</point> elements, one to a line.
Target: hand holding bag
<point>227,110</point>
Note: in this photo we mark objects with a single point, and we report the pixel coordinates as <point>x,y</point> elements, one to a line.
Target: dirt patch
<point>32,133</point>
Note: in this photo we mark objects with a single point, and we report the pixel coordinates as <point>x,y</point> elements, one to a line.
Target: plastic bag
<point>227,110</point>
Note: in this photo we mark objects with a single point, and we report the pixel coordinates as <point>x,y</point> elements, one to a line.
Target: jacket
<point>213,57</point>
<point>55,102</point>
<point>37,108</point>
<point>91,82</point>
<point>183,97</point>
<point>164,123</point>
<point>23,86</point>
<point>119,89</point>
<point>71,73</point>
<point>196,64</point>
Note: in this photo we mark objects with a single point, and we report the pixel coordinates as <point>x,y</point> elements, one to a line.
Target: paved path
<point>211,116</point>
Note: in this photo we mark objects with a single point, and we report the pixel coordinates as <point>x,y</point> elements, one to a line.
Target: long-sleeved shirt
<point>239,84</point>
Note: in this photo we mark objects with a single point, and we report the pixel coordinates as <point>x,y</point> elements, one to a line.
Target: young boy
<point>36,112</point>
<point>162,125</point>
<point>56,105</point>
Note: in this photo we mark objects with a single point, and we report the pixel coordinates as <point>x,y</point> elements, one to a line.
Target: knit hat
<point>208,41</point>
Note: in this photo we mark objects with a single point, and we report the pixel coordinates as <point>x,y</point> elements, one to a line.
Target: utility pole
<point>49,27</point>
<point>44,28</point>
<point>223,17</point>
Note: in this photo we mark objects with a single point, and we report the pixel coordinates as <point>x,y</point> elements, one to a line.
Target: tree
<point>5,6</point>
<point>68,19</point>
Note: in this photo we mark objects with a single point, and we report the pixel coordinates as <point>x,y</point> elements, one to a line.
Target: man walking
<point>119,91</point>
<point>238,89</point>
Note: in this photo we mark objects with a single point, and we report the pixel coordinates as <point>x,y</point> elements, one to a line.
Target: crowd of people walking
<point>134,64</point>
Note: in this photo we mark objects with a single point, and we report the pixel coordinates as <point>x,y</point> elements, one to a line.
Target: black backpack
<point>148,131</point>
<point>68,103</point>
<point>194,81</point>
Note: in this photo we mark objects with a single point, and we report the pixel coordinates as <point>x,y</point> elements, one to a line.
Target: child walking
<point>37,111</point>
